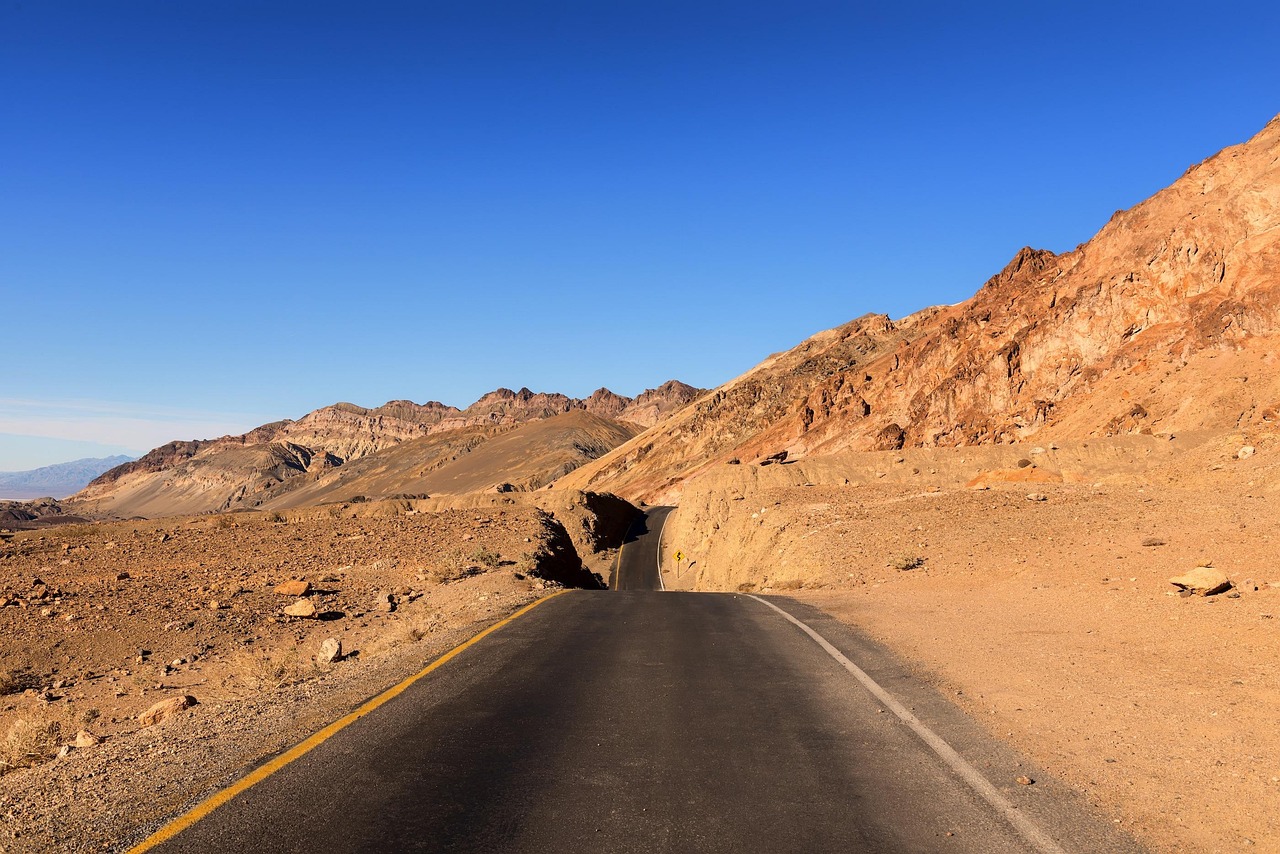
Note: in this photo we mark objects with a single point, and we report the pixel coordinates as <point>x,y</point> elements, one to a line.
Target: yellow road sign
<point>679,556</point>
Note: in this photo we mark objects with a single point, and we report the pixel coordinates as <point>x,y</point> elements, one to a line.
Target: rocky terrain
<point>1168,320</point>
<point>400,443</point>
<point>55,481</point>
<point>274,623</point>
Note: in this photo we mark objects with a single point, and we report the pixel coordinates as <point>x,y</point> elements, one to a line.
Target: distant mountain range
<point>56,481</point>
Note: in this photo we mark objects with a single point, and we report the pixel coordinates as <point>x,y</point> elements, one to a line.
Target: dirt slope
<point>1167,320</point>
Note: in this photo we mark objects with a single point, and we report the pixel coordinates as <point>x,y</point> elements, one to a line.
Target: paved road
<point>639,721</point>
<point>637,565</point>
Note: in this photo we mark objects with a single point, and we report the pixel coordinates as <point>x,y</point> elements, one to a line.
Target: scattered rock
<point>733,461</point>
<point>1037,496</point>
<point>165,709</point>
<point>330,651</point>
<point>301,608</point>
<point>122,576</point>
<point>1245,452</point>
<point>1023,463</point>
<point>1202,581</point>
<point>294,588</point>
<point>384,601</point>
<point>1024,780</point>
<point>779,457</point>
<point>1153,541</point>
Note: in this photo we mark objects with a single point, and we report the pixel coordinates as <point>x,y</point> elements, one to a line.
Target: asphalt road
<point>637,565</point>
<point>640,721</point>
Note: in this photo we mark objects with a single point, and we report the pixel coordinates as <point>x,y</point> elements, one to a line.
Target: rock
<point>294,588</point>
<point>84,738</point>
<point>733,461</point>
<point>779,457</point>
<point>65,751</point>
<point>1023,463</point>
<point>1245,452</point>
<point>1037,496</point>
<point>1153,541</point>
<point>384,601</point>
<point>165,709</point>
<point>301,608</point>
<point>330,651</point>
<point>1024,780</point>
<point>1203,581</point>
<point>122,576</point>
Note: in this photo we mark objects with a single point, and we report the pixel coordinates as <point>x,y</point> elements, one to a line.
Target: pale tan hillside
<point>1168,320</point>
<point>288,462</point>
<point>521,458</point>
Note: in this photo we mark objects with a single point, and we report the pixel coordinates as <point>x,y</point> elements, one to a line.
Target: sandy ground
<point>1052,620</point>
<point>100,622</point>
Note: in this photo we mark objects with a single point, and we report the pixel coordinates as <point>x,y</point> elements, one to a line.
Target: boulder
<point>294,588</point>
<point>1203,581</point>
<point>165,709</point>
<point>301,608</point>
<point>330,651</point>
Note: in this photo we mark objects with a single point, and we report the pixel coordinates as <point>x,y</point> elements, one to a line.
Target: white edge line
<point>989,793</point>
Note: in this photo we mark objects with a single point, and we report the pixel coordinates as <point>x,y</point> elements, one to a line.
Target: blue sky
<point>216,214</point>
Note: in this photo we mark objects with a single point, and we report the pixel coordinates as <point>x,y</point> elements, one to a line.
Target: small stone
<point>1202,581</point>
<point>215,605</point>
<point>384,601</point>
<point>1245,452</point>
<point>1037,496</point>
<point>65,751</point>
<point>330,651</point>
<point>84,738</point>
<point>1023,463</point>
<point>165,709</point>
<point>122,576</point>
<point>294,588</point>
<point>301,608</point>
<point>1024,780</point>
<point>1151,542</point>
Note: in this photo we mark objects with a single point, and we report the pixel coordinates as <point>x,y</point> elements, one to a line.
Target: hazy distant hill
<point>56,481</point>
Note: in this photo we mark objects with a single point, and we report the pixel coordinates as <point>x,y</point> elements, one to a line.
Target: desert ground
<point>1045,607</point>
<point>102,622</point>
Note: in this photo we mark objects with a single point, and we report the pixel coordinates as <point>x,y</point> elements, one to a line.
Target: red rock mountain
<point>1167,320</point>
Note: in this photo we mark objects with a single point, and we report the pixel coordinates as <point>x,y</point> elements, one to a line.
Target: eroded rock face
<point>1167,320</point>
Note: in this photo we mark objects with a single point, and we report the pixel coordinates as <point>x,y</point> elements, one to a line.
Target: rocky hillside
<point>400,446</point>
<point>1167,320</point>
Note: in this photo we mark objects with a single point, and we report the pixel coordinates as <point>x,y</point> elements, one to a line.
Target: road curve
<point>648,722</point>
<point>637,567</point>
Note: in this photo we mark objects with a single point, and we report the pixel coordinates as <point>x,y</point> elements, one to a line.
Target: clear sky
<point>216,214</point>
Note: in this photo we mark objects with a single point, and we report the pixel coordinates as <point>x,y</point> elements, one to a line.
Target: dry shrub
<point>904,562</point>
<point>267,670</point>
<point>30,741</point>
<point>746,587</point>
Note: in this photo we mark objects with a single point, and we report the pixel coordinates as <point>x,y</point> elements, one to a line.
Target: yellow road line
<point>261,773</point>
